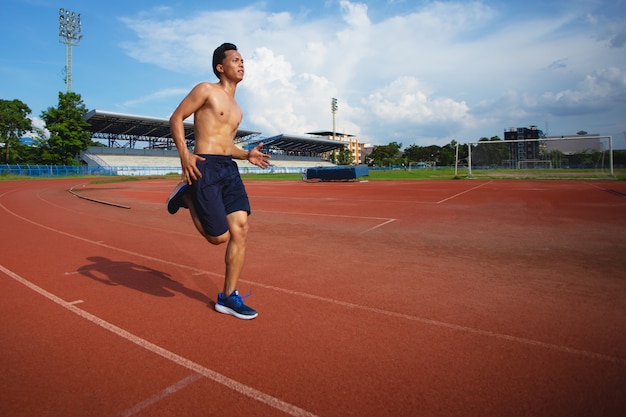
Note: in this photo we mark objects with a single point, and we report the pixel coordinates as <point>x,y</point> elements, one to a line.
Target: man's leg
<point>236,237</point>
<point>229,301</point>
<point>236,249</point>
<point>215,240</point>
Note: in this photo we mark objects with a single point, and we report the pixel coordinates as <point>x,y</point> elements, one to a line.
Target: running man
<point>212,189</point>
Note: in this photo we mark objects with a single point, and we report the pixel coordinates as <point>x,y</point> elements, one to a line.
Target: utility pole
<point>70,34</point>
<point>333,109</point>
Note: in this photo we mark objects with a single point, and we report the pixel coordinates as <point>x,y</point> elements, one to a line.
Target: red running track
<point>445,298</point>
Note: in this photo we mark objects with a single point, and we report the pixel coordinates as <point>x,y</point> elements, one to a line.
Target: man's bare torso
<point>216,121</point>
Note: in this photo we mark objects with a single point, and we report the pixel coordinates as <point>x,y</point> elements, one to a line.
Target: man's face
<point>233,65</point>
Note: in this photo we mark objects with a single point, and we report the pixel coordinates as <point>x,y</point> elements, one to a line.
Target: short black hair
<point>220,54</point>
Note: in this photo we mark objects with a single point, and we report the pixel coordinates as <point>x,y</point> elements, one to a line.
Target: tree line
<point>391,156</point>
<point>68,132</point>
<point>68,135</point>
<point>495,154</point>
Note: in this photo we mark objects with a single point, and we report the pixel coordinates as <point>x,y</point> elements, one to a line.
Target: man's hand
<point>256,157</point>
<point>190,170</point>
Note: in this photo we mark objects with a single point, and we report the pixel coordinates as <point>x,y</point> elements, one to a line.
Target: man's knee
<point>238,225</point>
<point>218,240</point>
<point>239,231</point>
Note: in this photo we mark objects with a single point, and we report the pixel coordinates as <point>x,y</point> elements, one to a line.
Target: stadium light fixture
<point>70,29</point>
<point>333,109</point>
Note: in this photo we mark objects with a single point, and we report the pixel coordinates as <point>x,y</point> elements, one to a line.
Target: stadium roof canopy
<point>328,133</point>
<point>117,127</point>
<point>296,143</point>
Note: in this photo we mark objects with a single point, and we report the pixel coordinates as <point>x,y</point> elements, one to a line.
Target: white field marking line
<point>360,200</point>
<point>377,226</point>
<point>359,307</point>
<point>463,192</point>
<point>293,213</point>
<point>115,248</point>
<point>236,386</point>
<point>531,342</point>
<point>163,394</point>
<point>386,220</point>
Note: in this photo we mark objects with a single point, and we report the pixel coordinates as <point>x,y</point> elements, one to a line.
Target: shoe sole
<point>226,310</point>
<point>175,199</point>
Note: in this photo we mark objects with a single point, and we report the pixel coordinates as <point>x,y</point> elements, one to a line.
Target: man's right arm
<point>194,100</point>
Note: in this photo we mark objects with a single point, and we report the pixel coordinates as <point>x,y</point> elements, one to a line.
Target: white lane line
<point>386,220</point>
<point>343,216</point>
<point>531,342</point>
<point>465,329</point>
<point>462,192</point>
<point>161,395</point>
<point>115,248</point>
<point>234,385</point>
<point>377,226</point>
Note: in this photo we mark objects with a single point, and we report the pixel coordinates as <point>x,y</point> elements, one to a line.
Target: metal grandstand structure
<point>293,144</point>
<point>126,131</point>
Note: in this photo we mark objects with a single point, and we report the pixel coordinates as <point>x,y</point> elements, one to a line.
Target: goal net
<point>586,156</point>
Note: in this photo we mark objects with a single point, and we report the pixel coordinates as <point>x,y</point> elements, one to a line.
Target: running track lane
<point>448,368</point>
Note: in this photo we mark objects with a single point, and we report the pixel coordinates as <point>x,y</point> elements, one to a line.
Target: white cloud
<point>599,90</point>
<point>355,14</point>
<point>38,126</point>
<point>165,95</point>
<point>443,70</point>
<point>405,100</point>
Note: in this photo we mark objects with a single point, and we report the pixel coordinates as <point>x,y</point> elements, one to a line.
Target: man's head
<point>220,54</point>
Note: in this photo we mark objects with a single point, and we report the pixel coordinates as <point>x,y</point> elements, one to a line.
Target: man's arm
<point>255,156</point>
<point>194,100</point>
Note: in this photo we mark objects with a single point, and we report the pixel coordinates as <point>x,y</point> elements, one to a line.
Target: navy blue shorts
<point>218,193</point>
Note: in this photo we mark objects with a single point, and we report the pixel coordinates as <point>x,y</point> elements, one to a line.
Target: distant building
<point>524,151</point>
<point>354,145</point>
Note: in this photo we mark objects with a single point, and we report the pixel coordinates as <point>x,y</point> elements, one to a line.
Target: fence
<point>69,170</point>
<point>51,170</point>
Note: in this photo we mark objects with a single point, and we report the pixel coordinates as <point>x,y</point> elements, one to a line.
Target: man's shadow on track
<point>137,277</point>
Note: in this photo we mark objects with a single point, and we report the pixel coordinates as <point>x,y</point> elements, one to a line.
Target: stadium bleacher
<point>160,156</point>
<point>158,162</point>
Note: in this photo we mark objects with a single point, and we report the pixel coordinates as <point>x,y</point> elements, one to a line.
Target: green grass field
<point>416,174</point>
<point>462,174</point>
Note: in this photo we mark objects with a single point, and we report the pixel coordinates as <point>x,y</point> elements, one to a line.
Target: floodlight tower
<point>70,34</point>
<point>333,109</point>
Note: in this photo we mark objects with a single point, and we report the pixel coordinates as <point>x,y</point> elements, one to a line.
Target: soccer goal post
<point>562,156</point>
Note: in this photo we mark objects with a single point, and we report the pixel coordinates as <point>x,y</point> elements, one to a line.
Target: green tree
<point>558,158</point>
<point>619,157</point>
<point>447,156</point>
<point>344,157</point>
<point>14,122</point>
<point>492,155</point>
<point>383,155</point>
<point>416,153</point>
<point>69,134</point>
<point>463,150</point>
<point>31,154</point>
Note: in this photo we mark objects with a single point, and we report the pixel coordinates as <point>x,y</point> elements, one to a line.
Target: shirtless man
<point>212,188</point>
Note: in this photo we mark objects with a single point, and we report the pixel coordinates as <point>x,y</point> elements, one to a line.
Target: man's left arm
<point>254,156</point>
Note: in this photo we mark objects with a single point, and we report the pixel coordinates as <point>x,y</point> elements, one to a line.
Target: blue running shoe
<point>234,306</point>
<point>175,200</point>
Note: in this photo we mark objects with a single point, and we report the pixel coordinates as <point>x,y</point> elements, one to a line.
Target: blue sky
<point>415,72</point>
